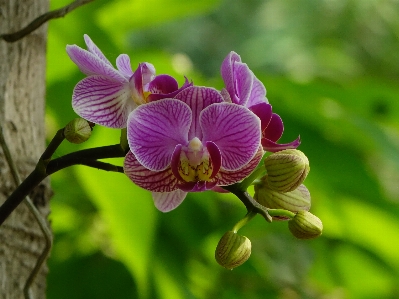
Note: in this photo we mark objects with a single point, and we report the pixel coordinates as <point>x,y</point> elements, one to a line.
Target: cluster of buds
<point>285,196</point>
<point>282,188</point>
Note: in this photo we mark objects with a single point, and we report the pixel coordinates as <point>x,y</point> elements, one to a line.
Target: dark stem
<point>53,145</point>
<point>83,156</point>
<point>45,167</point>
<point>21,192</point>
<point>36,23</point>
<point>251,204</point>
<point>103,166</point>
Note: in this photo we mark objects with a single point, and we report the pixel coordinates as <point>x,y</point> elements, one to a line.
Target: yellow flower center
<point>195,163</point>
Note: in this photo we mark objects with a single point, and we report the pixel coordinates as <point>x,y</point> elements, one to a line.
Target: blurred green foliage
<point>331,70</point>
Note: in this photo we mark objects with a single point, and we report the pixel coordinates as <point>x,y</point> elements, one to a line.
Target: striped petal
<point>91,46</point>
<point>155,129</point>
<point>228,74</point>
<point>168,201</point>
<point>235,130</point>
<point>225,177</point>
<point>156,181</point>
<point>103,101</point>
<point>123,65</point>
<point>258,93</point>
<point>243,77</point>
<point>198,98</point>
<point>90,64</point>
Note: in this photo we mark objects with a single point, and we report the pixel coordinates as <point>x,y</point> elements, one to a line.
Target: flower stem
<point>259,171</point>
<point>83,156</point>
<point>243,221</point>
<point>281,212</point>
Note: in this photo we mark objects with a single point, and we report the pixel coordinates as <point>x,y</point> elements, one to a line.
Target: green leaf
<point>128,210</point>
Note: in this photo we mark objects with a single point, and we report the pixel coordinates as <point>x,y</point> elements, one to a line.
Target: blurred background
<point>331,70</point>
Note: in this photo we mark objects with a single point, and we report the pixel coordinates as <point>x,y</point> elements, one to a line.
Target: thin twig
<point>36,23</point>
<point>102,165</point>
<point>40,220</point>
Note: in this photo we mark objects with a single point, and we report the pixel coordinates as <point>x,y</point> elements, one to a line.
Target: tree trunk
<point>22,94</point>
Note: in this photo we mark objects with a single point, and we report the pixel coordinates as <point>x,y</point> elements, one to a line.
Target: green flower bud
<point>305,225</point>
<point>77,131</point>
<point>293,201</point>
<point>232,250</point>
<point>286,169</point>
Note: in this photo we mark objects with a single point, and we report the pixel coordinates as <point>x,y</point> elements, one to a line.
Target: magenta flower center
<point>195,164</point>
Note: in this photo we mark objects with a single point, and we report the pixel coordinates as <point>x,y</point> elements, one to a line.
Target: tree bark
<point>22,94</point>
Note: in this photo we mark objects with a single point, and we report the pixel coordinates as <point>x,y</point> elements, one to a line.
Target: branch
<point>36,23</point>
<point>251,204</point>
<point>83,156</point>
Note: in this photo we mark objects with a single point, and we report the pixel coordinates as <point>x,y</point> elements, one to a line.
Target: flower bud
<point>286,169</point>
<point>77,130</point>
<point>293,201</point>
<point>232,250</point>
<point>305,225</point>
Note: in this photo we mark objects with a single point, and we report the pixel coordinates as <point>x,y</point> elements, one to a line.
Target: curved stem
<point>243,221</point>
<point>259,171</point>
<point>281,212</point>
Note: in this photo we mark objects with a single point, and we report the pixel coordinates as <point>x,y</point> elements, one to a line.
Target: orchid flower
<point>243,88</point>
<point>107,95</point>
<point>193,142</point>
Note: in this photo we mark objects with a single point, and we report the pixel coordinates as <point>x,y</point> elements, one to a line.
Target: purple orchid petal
<point>168,201</point>
<point>264,112</point>
<point>216,157</point>
<point>91,46</point>
<point>102,101</point>
<point>274,129</point>
<point>225,177</point>
<point>273,147</point>
<point>187,186</point>
<point>176,162</point>
<point>123,65</point>
<point>243,83</point>
<point>225,95</point>
<point>234,129</point>
<point>163,84</point>
<point>199,186</point>
<point>227,71</point>
<point>154,130</point>
<point>219,189</point>
<point>148,72</point>
<point>136,83</point>
<point>198,98</point>
<point>90,64</point>
<point>238,78</point>
<point>258,93</point>
<point>156,181</point>
<point>159,96</point>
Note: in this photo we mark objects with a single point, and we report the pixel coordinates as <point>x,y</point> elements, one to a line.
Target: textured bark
<point>22,94</point>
